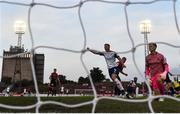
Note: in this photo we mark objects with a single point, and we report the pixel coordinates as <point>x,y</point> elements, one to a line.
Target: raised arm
<point>95,51</point>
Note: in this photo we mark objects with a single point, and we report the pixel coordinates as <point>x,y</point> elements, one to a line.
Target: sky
<point>103,23</point>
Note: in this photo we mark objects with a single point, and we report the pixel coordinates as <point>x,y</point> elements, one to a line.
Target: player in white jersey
<point>110,57</point>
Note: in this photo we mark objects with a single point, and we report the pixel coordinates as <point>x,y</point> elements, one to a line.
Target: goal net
<point>63,29</point>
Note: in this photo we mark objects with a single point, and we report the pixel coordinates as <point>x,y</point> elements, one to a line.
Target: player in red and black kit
<point>120,68</point>
<point>54,77</point>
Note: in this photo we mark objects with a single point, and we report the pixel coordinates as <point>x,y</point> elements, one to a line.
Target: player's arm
<point>123,73</point>
<point>50,76</point>
<point>166,66</point>
<point>120,61</point>
<point>166,69</point>
<point>95,51</point>
<point>147,75</point>
<point>147,72</point>
<point>147,69</point>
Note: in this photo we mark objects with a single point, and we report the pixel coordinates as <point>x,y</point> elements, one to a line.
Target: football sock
<point>119,84</point>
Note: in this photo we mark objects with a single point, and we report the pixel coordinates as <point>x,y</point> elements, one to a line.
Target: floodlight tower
<point>19,27</point>
<point>19,30</point>
<point>145,28</point>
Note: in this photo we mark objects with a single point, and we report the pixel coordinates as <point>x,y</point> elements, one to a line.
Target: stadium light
<point>20,28</point>
<point>145,28</point>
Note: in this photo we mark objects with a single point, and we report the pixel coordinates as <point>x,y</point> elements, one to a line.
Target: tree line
<point>96,74</point>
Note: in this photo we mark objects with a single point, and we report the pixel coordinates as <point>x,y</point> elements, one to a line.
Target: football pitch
<point>103,106</point>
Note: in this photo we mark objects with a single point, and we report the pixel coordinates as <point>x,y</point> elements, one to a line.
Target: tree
<point>97,75</point>
<point>62,79</point>
<point>82,80</point>
<point>7,80</point>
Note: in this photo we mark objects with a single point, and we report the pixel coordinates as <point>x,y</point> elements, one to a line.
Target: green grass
<point>103,106</point>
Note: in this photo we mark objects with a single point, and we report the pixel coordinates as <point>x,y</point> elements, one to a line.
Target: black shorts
<point>113,70</point>
<point>53,82</point>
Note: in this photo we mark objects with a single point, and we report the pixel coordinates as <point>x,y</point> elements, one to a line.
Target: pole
<point>19,40</point>
<point>17,70</point>
<point>145,29</point>
<point>146,49</point>
<point>146,52</point>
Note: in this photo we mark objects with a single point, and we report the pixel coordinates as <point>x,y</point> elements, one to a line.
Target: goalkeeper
<point>156,70</point>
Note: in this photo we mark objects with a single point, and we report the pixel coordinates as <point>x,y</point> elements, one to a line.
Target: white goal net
<point>82,38</point>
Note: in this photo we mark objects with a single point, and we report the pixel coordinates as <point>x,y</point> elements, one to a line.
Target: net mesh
<point>79,5</point>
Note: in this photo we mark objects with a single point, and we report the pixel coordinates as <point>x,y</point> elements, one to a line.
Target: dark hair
<point>107,44</point>
<point>124,58</point>
<point>152,43</point>
<point>135,77</point>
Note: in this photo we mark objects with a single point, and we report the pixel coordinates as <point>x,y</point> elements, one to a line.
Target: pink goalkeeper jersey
<point>155,63</point>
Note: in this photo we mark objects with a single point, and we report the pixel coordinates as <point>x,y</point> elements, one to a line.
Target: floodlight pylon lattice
<point>19,30</point>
